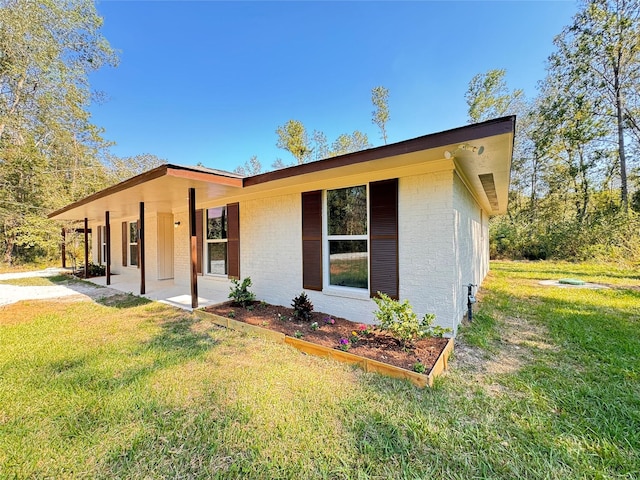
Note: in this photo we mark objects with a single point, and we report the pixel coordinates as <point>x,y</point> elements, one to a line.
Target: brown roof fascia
<point>182,172</point>
<point>118,187</point>
<point>467,133</point>
<point>165,169</point>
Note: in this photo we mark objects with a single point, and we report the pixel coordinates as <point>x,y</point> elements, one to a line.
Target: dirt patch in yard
<point>518,340</point>
<point>334,332</point>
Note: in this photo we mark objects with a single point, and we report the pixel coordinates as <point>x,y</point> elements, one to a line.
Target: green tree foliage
<point>292,137</point>
<point>564,200</point>
<point>489,97</point>
<point>346,143</point>
<point>602,48</point>
<point>380,116</point>
<point>119,169</point>
<point>48,147</point>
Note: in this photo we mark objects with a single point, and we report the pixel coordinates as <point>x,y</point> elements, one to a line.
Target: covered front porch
<point>167,291</point>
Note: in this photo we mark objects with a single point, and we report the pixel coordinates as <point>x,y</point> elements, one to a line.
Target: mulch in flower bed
<point>373,344</point>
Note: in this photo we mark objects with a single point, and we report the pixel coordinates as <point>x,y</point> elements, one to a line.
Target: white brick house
<point>409,219</point>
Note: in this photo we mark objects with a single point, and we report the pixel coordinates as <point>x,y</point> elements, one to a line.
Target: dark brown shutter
<point>383,241</point>
<point>199,239</point>
<point>233,240</point>
<point>125,243</point>
<point>99,245</point>
<point>312,240</point>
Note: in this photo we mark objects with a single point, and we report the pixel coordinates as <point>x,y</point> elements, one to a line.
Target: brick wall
<point>472,239</point>
<point>426,244</point>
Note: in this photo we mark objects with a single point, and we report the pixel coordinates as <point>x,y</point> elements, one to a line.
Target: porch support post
<point>107,234</point>
<point>194,249</point>
<point>141,249</point>
<point>86,247</point>
<point>64,248</point>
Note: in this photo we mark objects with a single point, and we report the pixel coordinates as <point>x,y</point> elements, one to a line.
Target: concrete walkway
<point>14,293</point>
<point>162,291</point>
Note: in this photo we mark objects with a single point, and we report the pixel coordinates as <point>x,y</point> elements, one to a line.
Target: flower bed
<point>340,339</point>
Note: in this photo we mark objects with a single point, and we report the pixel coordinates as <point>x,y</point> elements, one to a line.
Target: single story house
<point>409,219</point>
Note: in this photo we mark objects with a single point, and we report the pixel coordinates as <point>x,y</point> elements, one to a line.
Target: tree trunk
<point>621,153</point>
<point>8,251</point>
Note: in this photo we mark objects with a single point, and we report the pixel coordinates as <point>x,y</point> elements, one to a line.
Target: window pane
<point>348,263</point>
<point>133,255</point>
<point>217,258</point>
<point>133,232</point>
<point>216,223</point>
<point>347,211</point>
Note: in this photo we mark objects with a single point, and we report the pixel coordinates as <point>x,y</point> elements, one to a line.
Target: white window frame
<point>207,241</point>
<point>339,290</point>
<point>103,245</point>
<point>130,244</point>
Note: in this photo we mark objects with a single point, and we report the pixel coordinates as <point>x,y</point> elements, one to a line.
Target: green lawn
<point>545,385</point>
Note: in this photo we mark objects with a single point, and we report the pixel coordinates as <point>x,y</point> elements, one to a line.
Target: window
<point>354,232</point>
<point>133,244</point>
<point>216,240</point>
<point>347,237</point>
<point>102,235</point>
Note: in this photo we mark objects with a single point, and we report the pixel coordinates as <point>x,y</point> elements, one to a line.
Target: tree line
<point>575,181</point>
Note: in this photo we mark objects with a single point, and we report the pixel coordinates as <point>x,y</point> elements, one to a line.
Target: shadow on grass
<point>123,300</point>
<point>175,343</point>
<point>178,337</point>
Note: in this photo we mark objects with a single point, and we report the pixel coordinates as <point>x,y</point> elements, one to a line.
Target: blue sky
<point>209,81</point>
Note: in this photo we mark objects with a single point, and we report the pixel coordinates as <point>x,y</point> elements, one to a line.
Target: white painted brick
<point>472,252</point>
<point>425,233</point>
<point>443,245</point>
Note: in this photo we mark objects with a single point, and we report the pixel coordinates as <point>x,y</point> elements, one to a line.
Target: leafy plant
<point>231,314</point>
<point>302,307</point>
<point>298,334</point>
<point>240,293</point>
<point>344,344</point>
<point>419,367</point>
<point>96,270</point>
<point>314,326</point>
<point>400,321</point>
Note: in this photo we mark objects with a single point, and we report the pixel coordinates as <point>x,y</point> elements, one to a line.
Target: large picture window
<point>216,240</point>
<point>347,229</point>
<point>133,244</point>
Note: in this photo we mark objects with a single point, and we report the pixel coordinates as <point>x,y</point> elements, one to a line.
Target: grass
<point>352,272</point>
<point>146,391</point>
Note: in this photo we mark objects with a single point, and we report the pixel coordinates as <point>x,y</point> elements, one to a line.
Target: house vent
<point>489,189</point>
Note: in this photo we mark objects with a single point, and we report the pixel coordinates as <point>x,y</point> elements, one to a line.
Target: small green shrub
<point>240,293</point>
<point>97,270</point>
<point>400,321</point>
<point>419,367</point>
<point>302,307</point>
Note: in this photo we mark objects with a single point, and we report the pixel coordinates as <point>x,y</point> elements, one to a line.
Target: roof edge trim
<point>463,134</point>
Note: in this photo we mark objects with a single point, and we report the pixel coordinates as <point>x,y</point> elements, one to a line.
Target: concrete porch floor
<point>166,291</point>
